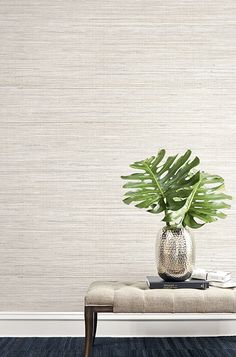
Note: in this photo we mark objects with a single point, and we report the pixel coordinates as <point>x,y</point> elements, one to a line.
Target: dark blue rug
<point>120,347</point>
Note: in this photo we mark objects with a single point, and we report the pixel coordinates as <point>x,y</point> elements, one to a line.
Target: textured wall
<point>86,88</point>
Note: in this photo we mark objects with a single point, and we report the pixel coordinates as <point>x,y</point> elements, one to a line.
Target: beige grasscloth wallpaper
<point>86,88</point>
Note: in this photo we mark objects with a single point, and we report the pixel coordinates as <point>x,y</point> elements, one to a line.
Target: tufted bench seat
<point>125,297</point>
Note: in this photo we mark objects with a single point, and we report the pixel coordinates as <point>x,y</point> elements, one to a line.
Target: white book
<point>227,285</point>
<point>218,275</point>
<point>199,273</point>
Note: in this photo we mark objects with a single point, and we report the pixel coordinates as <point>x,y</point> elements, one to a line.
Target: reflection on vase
<point>175,254</point>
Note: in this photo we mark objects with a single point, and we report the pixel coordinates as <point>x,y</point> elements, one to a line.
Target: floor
<point>120,347</point>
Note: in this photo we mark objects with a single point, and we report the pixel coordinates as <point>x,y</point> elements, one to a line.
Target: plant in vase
<point>187,197</point>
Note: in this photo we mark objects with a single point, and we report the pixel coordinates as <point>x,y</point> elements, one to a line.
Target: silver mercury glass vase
<point>175,254</point>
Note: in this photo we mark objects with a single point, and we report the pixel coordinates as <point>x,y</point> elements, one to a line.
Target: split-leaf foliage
<point>173,185</point>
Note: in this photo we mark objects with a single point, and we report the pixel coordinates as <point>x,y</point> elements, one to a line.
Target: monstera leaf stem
<point>190,198</point>
<point>159,188</point>
<point>155,180</point>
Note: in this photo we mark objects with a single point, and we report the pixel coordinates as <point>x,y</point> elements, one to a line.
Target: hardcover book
<point>155,282</point>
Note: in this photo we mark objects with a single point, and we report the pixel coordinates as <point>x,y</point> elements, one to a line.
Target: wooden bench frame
<point>90,317</point>
<point>91,311</point>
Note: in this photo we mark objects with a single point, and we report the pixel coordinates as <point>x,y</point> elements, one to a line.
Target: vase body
<point>175,254</point>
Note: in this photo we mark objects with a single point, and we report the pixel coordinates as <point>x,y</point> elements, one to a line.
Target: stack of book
<point>155,282</point>
<point>200,279</point>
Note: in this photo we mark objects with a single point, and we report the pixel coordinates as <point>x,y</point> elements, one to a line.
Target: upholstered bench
<point>124,297</point>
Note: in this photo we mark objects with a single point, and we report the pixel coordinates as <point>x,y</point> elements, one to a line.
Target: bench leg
<point>95,321</point>
<point>89,330</point>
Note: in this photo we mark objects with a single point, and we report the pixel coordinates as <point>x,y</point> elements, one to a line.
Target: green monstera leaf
<point>161,183</point>
<point>203,205</point>
<point>173,185</point>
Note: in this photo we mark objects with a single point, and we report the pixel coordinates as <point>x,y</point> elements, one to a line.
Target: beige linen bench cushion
<point>136,297</point>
